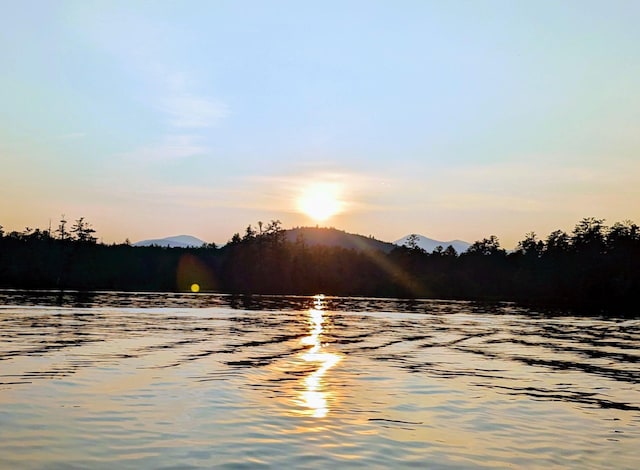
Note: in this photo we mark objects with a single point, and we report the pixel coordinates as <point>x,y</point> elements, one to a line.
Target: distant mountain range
<point>312,236</point>
<point>429,244</point>
<point>179,241</point>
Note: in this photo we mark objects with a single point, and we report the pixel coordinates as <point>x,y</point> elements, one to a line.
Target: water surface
<point>121,380</point>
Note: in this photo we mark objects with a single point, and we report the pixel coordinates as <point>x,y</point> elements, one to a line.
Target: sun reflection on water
<point>315,395</point>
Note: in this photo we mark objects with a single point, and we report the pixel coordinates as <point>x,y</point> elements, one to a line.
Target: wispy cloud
<point>535,185</point>
<point>191,112</point>
<point>187,116</point>
<point>170,147</point>
<point>357,191</point>
<point>184,109</point>
<point>183,106</point>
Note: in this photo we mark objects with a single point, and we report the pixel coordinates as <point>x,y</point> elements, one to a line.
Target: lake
<point>140,380</point>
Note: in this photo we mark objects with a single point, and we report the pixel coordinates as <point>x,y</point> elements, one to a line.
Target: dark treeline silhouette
<point>594,268</point>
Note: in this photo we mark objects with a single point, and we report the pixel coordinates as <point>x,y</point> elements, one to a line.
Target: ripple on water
<point>190,381</point>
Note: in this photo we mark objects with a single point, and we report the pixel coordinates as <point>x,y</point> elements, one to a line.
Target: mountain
<point>179,241</point>
<point>429,244</point>
<point>320,236</point>
<point>334,237</point>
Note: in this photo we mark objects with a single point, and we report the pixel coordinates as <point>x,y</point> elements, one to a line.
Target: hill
<point>313,236</point>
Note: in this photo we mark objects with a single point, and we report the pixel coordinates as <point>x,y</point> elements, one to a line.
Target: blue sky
<point>452,119</point>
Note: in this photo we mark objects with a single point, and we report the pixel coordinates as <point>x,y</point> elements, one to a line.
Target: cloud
<point>180,103</point>
<point>170,148</point>
<point>187,111</point>
<point>150,54</point>
<point>538,186</point>
<point>357,191</point>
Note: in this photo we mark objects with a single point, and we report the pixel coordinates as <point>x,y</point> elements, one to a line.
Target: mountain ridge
<point>176,241</point>
<point>327,236</point>
<point>429,244</point>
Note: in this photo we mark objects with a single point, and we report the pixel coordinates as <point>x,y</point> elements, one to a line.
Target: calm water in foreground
<point>114,380</point>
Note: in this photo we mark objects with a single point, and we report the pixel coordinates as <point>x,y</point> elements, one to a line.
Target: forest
<point>593,269</point>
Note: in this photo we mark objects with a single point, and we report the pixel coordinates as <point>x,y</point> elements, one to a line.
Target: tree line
<point>594,268</point>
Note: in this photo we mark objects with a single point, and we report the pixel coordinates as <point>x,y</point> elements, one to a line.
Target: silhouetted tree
<point>450,251</point>
<point>249,233</point>
<point>589,234</point>
<point>61,228</point>
<point>531,246</point>
<point>486,247</point>
<point>275,232</point>
<point>412,241</point>
<point>622,233</point>
<point>83,232</point>
<point>558,242</point>
<point>594,269</point>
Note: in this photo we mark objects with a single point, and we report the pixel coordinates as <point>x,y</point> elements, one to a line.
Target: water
<point>115,380</point>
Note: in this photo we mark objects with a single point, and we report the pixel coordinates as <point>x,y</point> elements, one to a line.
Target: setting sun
<point>320,201</point>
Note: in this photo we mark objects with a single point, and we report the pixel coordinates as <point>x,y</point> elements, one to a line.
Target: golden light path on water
<point>315,396</point>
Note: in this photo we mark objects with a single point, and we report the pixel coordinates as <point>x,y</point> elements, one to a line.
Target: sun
<point>320,201</point>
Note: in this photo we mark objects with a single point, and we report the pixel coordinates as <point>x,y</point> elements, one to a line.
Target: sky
<point>454,120</point>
